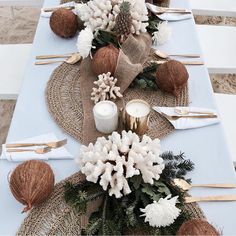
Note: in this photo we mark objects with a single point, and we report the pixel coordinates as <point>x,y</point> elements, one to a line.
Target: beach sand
<point>22,28</point>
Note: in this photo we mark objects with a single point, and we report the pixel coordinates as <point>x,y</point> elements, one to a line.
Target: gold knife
<point>196,63</point>
<point>55,144</point>
<point>220,198</point>
<point>188,116</point>
<point>55,8</point>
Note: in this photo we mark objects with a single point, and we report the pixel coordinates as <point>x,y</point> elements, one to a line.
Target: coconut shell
<point>172,77</point>
<point>64,23</point>
<point>105,60</point>
<point>197,227</point>
<point>31,183</point>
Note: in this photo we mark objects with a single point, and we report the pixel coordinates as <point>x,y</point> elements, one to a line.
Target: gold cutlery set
<point>24,147</point>
<point>185,113</point>
<point>167,57</point>
<point>184,185</point>
<point>70,58</point>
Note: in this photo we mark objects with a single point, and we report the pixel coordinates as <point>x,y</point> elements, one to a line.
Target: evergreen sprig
<point>175,166</point>
<point>79,195</point>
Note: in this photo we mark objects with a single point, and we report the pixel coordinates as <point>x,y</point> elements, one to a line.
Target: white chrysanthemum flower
<point>161,213</point>
<point>163,33</point>
<point>84,42</point>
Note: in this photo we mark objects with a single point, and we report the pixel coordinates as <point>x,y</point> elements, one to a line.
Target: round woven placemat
<point>64,102</point>
<point>55,217</point>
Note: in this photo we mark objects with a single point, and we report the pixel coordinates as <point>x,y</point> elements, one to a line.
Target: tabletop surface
<point>206,147</point>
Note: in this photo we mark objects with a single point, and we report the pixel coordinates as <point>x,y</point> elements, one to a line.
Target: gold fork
<point>37,150</point>
<point>56,144</point>
<point>51,56</point>
<point>220,198</point>
<point>196,117</point>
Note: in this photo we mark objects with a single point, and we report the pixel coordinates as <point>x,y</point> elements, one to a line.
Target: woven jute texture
<point>55,217</point>
<point>68,93</point>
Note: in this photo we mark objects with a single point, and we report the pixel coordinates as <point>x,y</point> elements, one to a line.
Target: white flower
<point>163,33</point>
<point>161,213</point>
<point>84,42</point>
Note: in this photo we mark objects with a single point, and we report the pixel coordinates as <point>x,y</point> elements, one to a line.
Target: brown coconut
<point>197,227</point>
<point>172,77</point>
<point>64,23</point>
<point>105,60</point>
<point>31,183</point>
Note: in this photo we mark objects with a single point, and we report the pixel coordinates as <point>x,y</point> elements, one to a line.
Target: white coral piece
<point>112,161</point>
<point>84,42</point>
<point>97,14</point>
<point>101,14</point>
<point>161,213</point>
<point>163,33</point>
<point>107,88</point>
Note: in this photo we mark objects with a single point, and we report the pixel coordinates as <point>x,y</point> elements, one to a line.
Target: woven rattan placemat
<point>64,102</point>
<point>55,217</point>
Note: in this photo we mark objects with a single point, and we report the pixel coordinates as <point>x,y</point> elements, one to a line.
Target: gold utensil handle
<point>185,55</point>
<point>192,62</point>
<point>204,113</point>
<point>172,9</point>
<point>203,116</point>
<point>173,12</point>
<point>47,62</point>
<point>211,198</point>
<point>55,8</point>
<point>215,185</point>
<point>53,56</point>
<point>20,150</point>
<point>16,145</point>
<point>183,62</point>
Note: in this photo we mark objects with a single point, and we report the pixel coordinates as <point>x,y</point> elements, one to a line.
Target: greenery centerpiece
<point>134,183</point>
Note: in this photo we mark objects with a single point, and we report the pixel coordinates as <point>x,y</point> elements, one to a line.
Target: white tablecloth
<point>206,147</point>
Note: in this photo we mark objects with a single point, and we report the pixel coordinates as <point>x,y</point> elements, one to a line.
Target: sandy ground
<point>21,29</point>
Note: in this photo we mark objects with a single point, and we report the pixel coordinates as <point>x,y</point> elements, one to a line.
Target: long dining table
<point>206,147</point>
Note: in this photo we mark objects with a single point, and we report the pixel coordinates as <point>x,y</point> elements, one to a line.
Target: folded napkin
<point>168,16</point>
<point>188,123</point>
<point>55,154</point>
<point>48,14</point>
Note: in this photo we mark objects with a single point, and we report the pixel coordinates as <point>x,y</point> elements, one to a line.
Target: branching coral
<point>112,161</point>
<point>107,88</point>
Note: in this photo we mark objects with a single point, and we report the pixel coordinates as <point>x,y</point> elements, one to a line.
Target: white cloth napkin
<point>48,14</point>
<point>168,16</point>
<point>55,154</point>
<point>188,123</point>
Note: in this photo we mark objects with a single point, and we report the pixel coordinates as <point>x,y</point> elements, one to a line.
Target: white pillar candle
<point>106,116</point>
